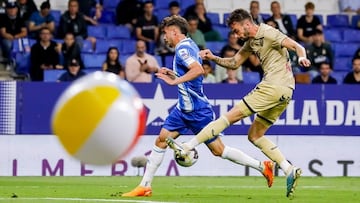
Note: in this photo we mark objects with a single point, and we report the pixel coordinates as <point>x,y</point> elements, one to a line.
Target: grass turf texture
<point>176,189</point>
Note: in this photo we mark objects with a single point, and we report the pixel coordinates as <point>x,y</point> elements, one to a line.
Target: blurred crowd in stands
<point>123,37</point>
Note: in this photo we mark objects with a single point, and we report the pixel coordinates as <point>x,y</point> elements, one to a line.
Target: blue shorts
<point>195,121</point>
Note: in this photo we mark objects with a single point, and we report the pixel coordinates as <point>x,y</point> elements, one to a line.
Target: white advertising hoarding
<point>39,155</point>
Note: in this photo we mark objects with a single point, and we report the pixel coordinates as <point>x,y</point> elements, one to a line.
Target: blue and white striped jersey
<point>190,94</point>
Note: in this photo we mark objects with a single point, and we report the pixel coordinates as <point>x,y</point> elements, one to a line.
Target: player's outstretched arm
<point>300,51</point>
<point>195,70</point>
<point>229,63</point>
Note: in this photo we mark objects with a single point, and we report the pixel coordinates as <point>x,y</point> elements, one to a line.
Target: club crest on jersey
<point>184,54</point>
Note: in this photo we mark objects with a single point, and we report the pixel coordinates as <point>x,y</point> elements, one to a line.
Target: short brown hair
<point>239,15</point>
<point>177,21</point>
<point>309,5</point>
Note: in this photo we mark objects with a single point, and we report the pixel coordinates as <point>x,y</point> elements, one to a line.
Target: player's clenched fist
<point>206,54</point>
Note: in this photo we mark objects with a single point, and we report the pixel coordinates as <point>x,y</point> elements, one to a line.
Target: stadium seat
<point>22,45</point>
<point>110,4</point>
<point>339,76</point>
<point>223,31</point>
<point>293,18</point>
<point>214,17</point>
<point>118,32</point>
<point>251,77</point>
<point>59,41</point>
<point>87,47</point>
<point>265,16</point>
<point>333,35</point>
<point>215,47</point>
<point>351,35</point>
<point>97,31</point>
<point>321,18</point>
<point>159,60</point>
<point>57,15</point>
<point>345,49</point>
<point>52,75</point>
<point>128,46</point>
<point>23,63</point>
<point>169,61</point>
<point>337,20</point>
<point>108,16</point>
<point>342,64</point>
<point>163,4</point>
<point>102,46</point>
<point>123,58</point>
<point>93,61</point>
<point>184,4</point>
<point>225,17</point>
<point>162,13</point>
<point>354,21</point>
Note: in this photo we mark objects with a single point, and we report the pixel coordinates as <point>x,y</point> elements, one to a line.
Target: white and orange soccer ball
<point>99,118</point>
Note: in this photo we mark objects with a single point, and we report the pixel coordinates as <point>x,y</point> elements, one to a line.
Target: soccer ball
<point>187,160</point>
<point>99,118</point>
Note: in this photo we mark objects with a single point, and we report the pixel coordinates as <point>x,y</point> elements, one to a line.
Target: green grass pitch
<point>177,189</point>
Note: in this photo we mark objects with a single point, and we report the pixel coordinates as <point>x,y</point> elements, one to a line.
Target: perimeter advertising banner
<point>314,109</point>
<point>37,155</point>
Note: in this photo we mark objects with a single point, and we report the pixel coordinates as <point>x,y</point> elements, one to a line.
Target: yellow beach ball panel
<point>114,134</point>
<point>99,118</point>
<point>79,116</point>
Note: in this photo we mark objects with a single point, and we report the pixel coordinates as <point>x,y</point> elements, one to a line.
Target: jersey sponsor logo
<point>184,54</point>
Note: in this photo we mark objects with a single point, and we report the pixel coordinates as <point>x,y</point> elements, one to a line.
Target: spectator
<point>194,33</point>
<point>174,8</point>
<point>220,72</point>
<point>112,63</point>
<point>163,49</point>
<point>73,22</point>
<point>41,19</point>
<point>147,27</point>
<point>231,77</point>
<point>350,6</point>
<point>73,73</point>
<point>272,23</point>
<point>208,75</point>
<point>70,50</point>
<point>232,43</point>
<point>325,75</point>
<point>12,27</point>
<point>255,12</point>
<point>251,64</point>
<point>307,24</point>
<point>44,56</point>
<point>127,12</point>
<point>140,66</point>
<point>190,10</point>
<point>26,9</point>
<point>319,52</point>
<point>86,7</point>
<point>283,21</point>
<point>353,77</point>
<point>205,24</point>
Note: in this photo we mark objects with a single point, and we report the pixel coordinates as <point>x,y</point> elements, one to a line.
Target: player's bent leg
<point>237,156</point>
<point>155,159</point>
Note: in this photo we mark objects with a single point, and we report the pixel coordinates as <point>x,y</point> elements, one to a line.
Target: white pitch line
<point>255,187</point>
<point>85,200</point>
